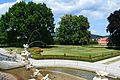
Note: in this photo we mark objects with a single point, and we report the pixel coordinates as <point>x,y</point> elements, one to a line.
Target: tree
<point>22,19</point>
<point>73,30</point>
<point>114,28</point>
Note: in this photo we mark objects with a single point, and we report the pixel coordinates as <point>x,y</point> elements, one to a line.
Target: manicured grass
<point>86,53</point>
<point>90,53</point>
<point>16,49</point>
<point>78,50</point>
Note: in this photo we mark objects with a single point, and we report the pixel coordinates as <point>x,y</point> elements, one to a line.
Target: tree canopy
<point>73,30</point>
<point>24,20</point>
<point>114,28</point>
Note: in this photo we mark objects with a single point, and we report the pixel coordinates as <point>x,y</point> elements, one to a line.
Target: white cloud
<point>110,5</point>
<point>4,7</point>
<point>60,6</point>
<point>57,6</point>
<point>92,15</point>
<point>93,9</point>
<point>93,31</point>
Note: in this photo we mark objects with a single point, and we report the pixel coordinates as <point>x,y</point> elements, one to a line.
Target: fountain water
<point>36,72</point>
<point>26,54</point>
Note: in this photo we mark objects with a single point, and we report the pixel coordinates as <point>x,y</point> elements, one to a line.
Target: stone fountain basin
<point>55,73</point>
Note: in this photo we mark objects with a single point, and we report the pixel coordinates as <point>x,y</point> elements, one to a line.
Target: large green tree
<point>25,21</point>
<point>114,28</point>
<point>73,30</point>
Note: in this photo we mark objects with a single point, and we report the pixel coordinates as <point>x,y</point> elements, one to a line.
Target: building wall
<point>103,41</point>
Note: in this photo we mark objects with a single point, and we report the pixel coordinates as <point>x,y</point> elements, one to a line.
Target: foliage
<point>36,50</point>
<point>93,42</point>
<point>86,52</point>
<point>24,19</point>
<point>81,58</point>
<point>114,28</point>
<point>89,53</point>
<point>73,30</point>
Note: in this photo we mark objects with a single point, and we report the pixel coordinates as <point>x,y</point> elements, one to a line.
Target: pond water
<point>55,73</point>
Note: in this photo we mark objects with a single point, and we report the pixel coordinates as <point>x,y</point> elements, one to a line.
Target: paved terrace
<point>112,69</point>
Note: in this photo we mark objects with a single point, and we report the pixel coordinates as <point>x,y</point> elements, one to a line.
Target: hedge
<point>80,58</point>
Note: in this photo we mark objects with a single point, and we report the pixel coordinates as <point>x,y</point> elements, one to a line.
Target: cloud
<point>92,15</point>
<point>65,6</point>
<point>95,10</point>
<point>95,7</point>
<point>4,7</point>
<point>93,31</point>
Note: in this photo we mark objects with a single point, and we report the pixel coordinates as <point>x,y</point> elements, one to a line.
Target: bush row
<point>81,58</point>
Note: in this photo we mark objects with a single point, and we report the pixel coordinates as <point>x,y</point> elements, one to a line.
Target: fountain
<point>36,73</point>
<point>55,72</point>
<point>26,54</point>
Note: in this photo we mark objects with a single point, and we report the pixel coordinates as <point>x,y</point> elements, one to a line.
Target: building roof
<point>103,40</point>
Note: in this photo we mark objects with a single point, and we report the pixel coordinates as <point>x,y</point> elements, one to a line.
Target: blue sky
<point>97,11</point>
<point>5,1</point>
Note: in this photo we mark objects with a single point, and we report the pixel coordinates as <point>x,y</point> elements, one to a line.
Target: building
<point>103,41</point>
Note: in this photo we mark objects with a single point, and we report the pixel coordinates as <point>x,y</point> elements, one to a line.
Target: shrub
<point>93,42</point>
<point>36,50</point>
<point>81,58</point>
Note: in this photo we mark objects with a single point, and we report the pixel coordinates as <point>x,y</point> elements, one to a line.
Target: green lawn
<point>78,50</point>
<point>86,53</point>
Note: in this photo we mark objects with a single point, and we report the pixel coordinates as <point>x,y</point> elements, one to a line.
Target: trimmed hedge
<point>36,50</point>
<point>81,58</point>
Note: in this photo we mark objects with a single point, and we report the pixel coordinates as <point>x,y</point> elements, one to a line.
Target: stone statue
<point>26,53</point>
<point>46,77</point>
<point>29,66</point>
<point>101,75</point>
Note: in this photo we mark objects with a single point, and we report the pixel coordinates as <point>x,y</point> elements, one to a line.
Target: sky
<point>96,11</point>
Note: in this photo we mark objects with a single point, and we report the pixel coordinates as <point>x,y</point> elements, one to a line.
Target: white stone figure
<point>101,75</point>
<point>26,46</point>
<point>36,73</point>
<point>29,66</point>
<point>46,77</point>
<point>25,53</point>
